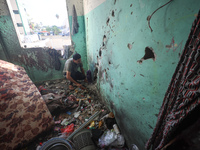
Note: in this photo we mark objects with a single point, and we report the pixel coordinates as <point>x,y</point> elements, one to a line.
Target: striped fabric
<point>182,98</point>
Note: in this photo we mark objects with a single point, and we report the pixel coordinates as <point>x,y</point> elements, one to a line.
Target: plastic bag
<point>107,138</point>
<point>68,129</point>
<point>119,142</point>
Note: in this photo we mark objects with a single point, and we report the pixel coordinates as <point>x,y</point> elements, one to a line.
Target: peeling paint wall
<point>78,38</point>
<point>134,66</point>
<point>38,62</point>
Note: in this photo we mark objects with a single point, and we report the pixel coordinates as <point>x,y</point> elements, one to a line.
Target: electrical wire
<point>149,17</point>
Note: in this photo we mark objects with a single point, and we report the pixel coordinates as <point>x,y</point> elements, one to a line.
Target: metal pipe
<point>84,125</point>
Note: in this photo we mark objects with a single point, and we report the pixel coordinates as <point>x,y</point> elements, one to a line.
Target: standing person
<point>71,71</point>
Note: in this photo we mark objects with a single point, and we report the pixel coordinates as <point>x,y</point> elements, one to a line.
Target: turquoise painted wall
<point>134,91</point>
<point>79,40</point>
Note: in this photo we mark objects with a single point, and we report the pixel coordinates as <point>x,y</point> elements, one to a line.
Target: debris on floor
<point>82,121</point>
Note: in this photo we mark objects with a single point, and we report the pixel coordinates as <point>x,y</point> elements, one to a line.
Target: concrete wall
<point>39,65</point>
<point>117,34</point>
<point>78,38</point>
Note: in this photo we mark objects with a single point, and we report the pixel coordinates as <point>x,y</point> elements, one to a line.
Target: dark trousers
<point>76,76</point>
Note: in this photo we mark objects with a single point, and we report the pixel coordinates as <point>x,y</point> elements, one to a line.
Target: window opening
<point>41,23</point>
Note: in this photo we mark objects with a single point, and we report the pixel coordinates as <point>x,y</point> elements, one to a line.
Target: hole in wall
<point>149,54</point>
<point>150,126</point>
<point>115,2</point>
<point>142,75</point>
<point>95,73</point>
<point>109,63</point>
<point>113,13</point>
<point>131,5</point>
<point>97,60</point>
<point>129,46</point>
<point>104,40</point>
<point>111,85</point>
<point>106,74</point>
<point>131,13</point>
<point>100,52</point>
<point>112,105</point>
<point>107,22</point>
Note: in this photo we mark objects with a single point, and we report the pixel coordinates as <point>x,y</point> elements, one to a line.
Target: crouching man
<point>71,71</point>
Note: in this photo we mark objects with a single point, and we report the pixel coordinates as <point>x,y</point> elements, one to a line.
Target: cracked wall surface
<point>133,65</point>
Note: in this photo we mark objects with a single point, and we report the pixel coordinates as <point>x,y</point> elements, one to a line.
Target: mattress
<point>23,112</point>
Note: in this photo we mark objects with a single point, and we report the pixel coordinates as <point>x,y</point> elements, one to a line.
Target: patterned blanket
<point>23,112</point>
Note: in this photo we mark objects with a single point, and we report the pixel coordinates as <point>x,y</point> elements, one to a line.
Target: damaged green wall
<point>117,34</point>
<point>79,40</point>
<point>79,37</point>
<point>38,63</point>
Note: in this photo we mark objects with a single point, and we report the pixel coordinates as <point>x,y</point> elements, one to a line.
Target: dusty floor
<point>87,103</point>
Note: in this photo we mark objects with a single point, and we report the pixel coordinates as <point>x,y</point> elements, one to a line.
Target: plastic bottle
<point>120,138</point>
<point>64,121</point>
<point>116,129</point>
<point>106,116</point>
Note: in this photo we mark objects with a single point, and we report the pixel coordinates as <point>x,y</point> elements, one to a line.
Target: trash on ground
<point>79,113</point>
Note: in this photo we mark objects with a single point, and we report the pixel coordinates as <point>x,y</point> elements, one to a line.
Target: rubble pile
<point>78,113</point>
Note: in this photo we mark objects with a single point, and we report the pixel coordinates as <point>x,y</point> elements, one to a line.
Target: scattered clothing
<point>58,103</point>
<point>75,24</point>
<point>89,76</point>
<point>66,52</point>
<point>56,61</point>
<point>44,91</point>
